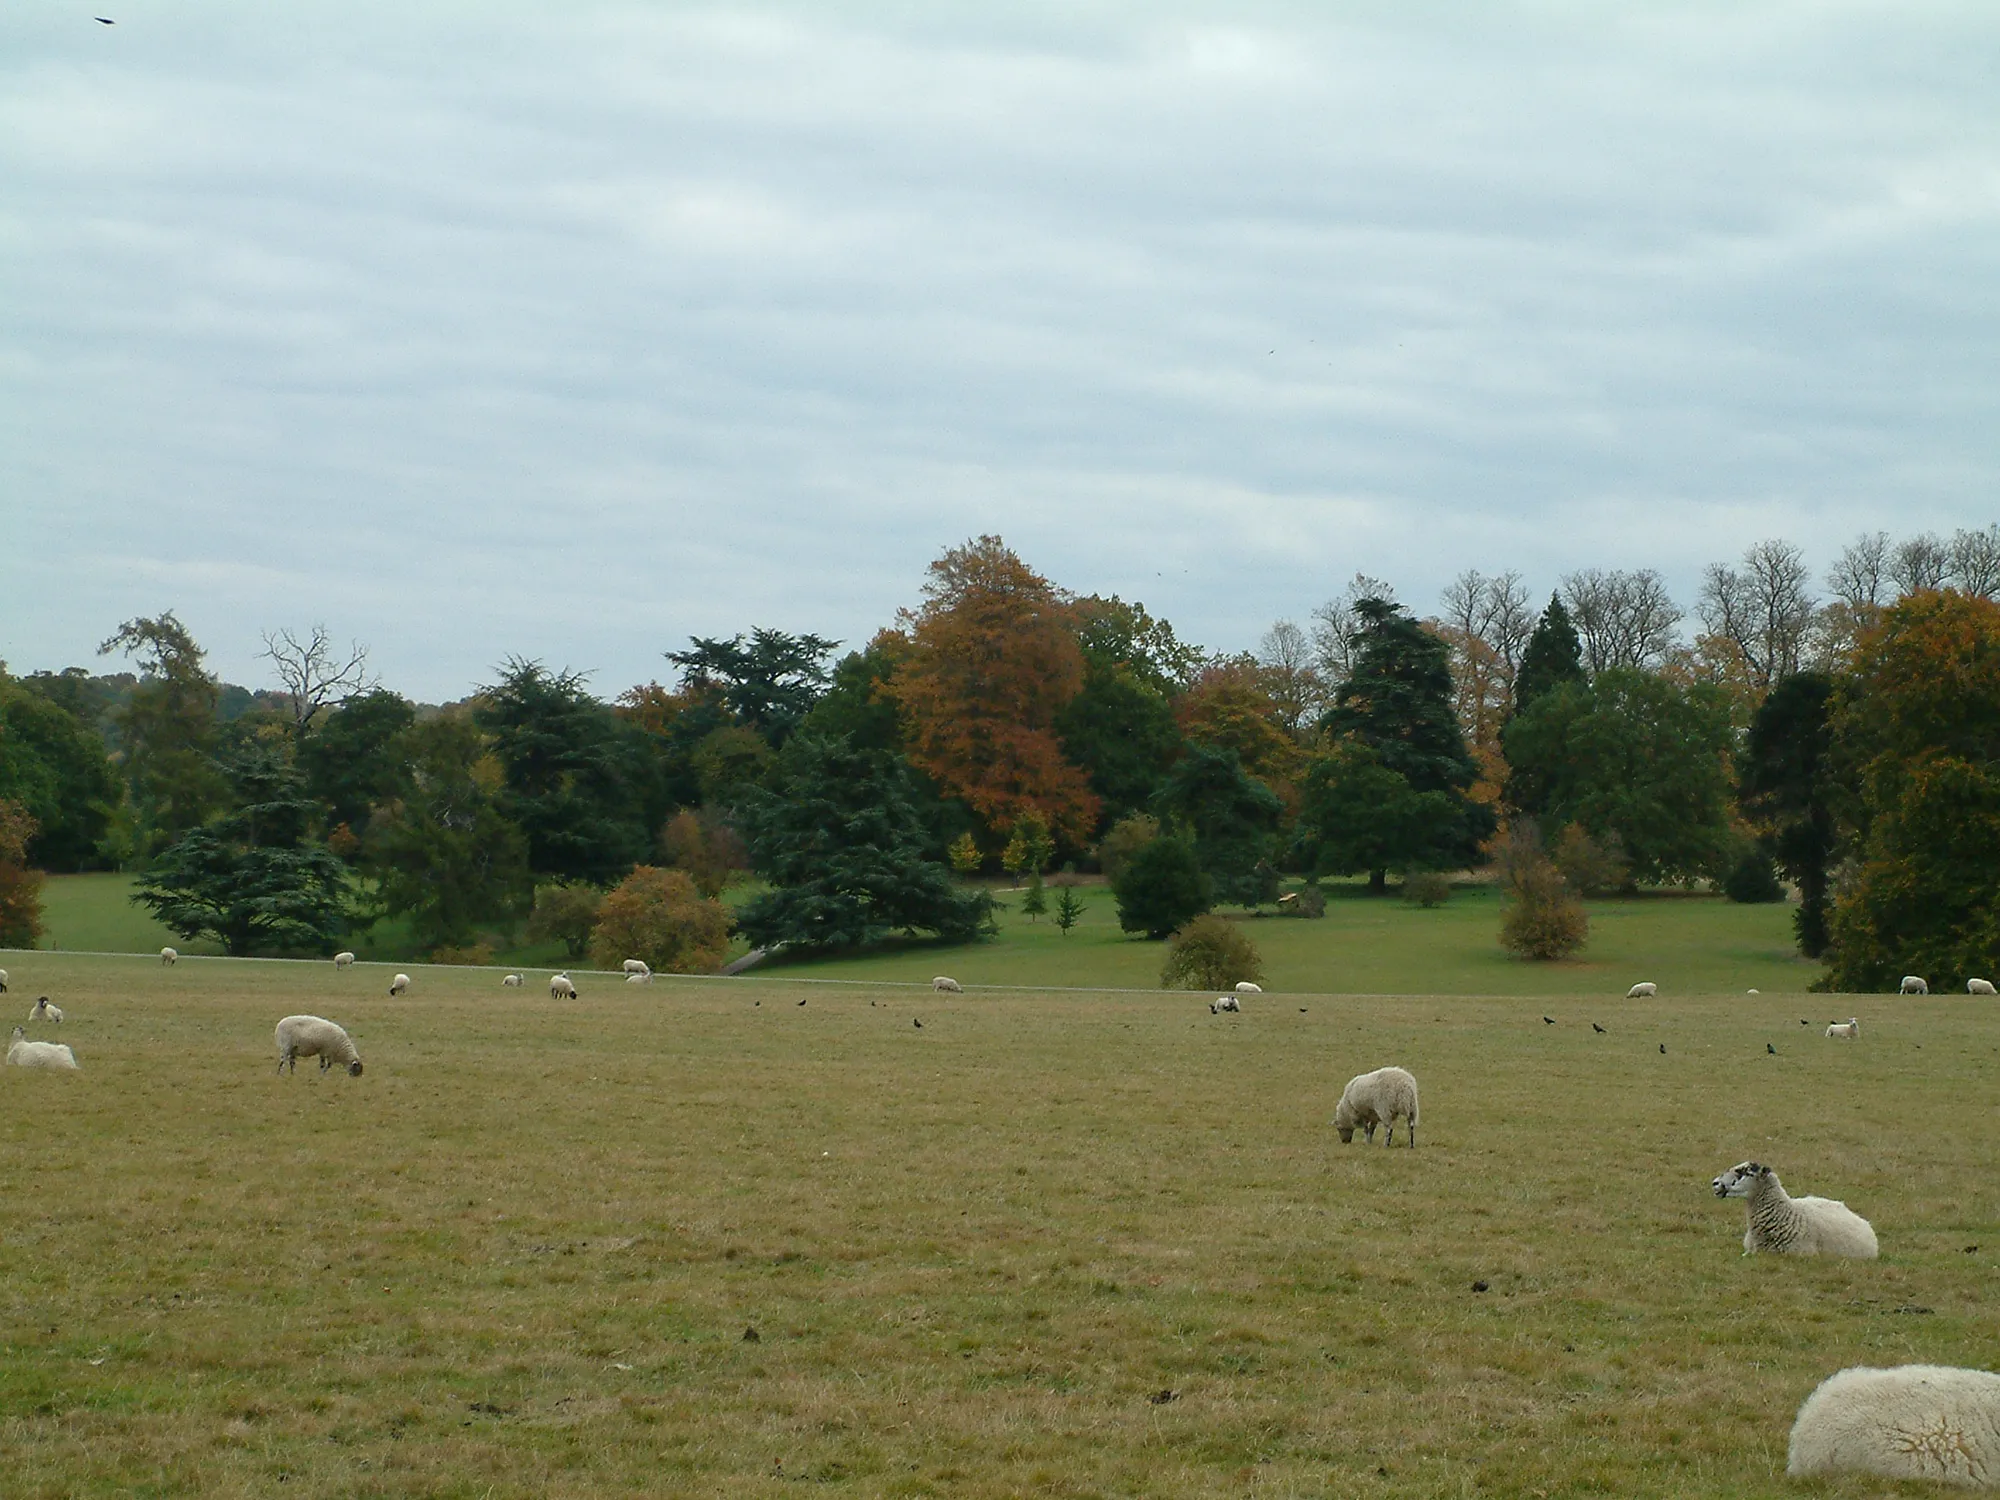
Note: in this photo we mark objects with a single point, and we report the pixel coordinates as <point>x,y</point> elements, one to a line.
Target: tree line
<point>1003,720</point>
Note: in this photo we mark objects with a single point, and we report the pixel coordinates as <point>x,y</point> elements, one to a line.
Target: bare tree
<point>1861,573</point>
<point>1623,619</point>
<point>1764,609</point>
<point>1493,609</point>
<point>314,673</point>
<point>1291,675</point>
<point>1923,562</point>
<point>1337,629</point>
<point>1975,562</point>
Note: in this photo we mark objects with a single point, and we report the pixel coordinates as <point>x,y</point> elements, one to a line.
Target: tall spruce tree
<point>1785,787</point>
<point>1554,655</point>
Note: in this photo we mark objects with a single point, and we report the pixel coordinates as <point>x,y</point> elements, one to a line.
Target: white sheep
<point>1929,1422</point>
<point>343,960</point>
<point>169,956</point>
<point>560,987</point>
<point>399,984</point>
<point>1245,987</point>
<point>637,966</point>
<point>1222,1003</point>
<point>1978,986</point>
<point>309,1036</point>
<point>944,984</point>
<point>43,1011</point>
<point>1915,984</point>
<point>23,1053</point>
<point>1794,1226</point>
<point>1645,990</point>
<point>3,981</point>
<point>1849,1029</point>
<point>512,981</point>
<point>1377,1098</point>
<point>645,978</point>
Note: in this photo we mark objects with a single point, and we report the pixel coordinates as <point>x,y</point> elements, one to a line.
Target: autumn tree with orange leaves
<point>993,659</point>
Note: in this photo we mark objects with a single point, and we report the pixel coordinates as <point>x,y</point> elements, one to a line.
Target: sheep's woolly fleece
<point>1930,1422</point>
<point>1377,1098</point>
<point>1786,1225</point>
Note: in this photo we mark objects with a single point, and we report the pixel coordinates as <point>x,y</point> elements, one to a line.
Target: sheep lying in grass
<point>1794,1226</point>
<point>399,984</point>
<point>169,956</point>
<point>310,1036</point>
<point>1978,986</point>
<point>512,981</point>
<point>1222,1003</point>
<point>560,987</point>
<point>944,984</point>
<point>643,977</point>
<point>1915,984</point>
<point>343,960</point>
<point>637,966</point>
<point>1377,1098</point>
<point>43,1011</point>
<point>26,1054</point>
<point>1849,1029</point>
<point>1929,1422</point>
<point>1645,990</point>
<point>1245,987</point>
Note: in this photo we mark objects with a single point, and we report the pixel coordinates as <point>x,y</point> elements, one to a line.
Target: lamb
<point>1929,1422</point>
<point>1644,990</point>
<point>944,984</point>
<point>637,966</point>
<point>169,956</point>
<point>1850,1028</point>
<point>343,960</point>
<point>1222,1003</point>
<point>1794,1226</point>
<point>560,987</point>
<point>43,1011</point>
<point>512,981</point>
<point>1377,1098</point>
<point>1914,984</point>
<point>23,1053</point>
<point>1972,986</point>
<point>1245,987</point>
<point>308,1036</point>
<point>399,984</point>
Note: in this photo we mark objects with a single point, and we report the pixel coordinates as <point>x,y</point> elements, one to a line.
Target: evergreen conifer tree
<point>1554,655</point>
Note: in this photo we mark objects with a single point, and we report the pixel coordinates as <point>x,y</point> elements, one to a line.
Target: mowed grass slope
<point>519,1256</point>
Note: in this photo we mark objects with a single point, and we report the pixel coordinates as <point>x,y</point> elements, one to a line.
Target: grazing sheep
<point>308,1036</point>
<point>642,978</point>
<point>512,981</point>
<point>43,1011</point>
<point>1794,1226</point>
<point>1978,986</point>
<point>637,966</point>
<point>1915,984</point>
<point>400,983</point>
<point>169,956</point>
<point>1929,1422</point>
<point>1222,1003</point>
<point>343,960</point>
<point>1643,991</point>
<point>26,1054</point>
<point>944,984</point>
<point>3,981</point>
<point>1245,987</point>
<point>1377,1098</point>
<point>560,987</point>
<point>1850,1028</point>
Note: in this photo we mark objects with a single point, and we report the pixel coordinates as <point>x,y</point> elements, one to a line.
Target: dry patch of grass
<point>521,1255</point>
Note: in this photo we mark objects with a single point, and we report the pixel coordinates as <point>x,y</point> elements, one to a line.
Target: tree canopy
<point>1785,786</point>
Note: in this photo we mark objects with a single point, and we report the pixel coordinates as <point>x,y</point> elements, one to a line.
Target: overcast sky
<point>570,330</point>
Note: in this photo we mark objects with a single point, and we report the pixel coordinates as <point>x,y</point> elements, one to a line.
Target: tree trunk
<point>1378,882</point>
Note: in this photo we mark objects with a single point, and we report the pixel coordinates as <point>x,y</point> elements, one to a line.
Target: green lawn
<point>1046,1244</point>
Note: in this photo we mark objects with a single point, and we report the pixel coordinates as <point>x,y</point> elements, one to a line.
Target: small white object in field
<point>1915,984</point>
<point>1848,1029</point>
<point>1245,987</point>
<point>1978,986</point>
<point>1645,990</point>
<point>43,1011</point>
<point>169,956</point>
<point>315,1036</point>
<point>343,960</point>
<point>560,987</point>
<point>944,984</point>
<point>400,983</point>
<point>512,981</point>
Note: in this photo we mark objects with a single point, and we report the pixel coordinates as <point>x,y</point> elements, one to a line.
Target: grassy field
<point>1364,945</point>
<point>523,1253</point>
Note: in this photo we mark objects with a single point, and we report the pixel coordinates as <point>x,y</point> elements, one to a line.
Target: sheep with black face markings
<point>315,1036</point>
<point>1794,1226</point>
<point>43,1011</point>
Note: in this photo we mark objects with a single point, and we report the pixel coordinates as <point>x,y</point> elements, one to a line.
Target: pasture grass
<point>519,1255</point>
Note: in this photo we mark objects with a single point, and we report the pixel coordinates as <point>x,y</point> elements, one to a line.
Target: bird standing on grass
<point>1596,1028</point>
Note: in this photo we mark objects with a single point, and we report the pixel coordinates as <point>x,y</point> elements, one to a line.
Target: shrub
<point>1752,881</point>
<point>1124,840</point>
<point>1162,888</point>
<point>1307,901</point>
<point>20,887</point>
<point>1210,953</point>
<point>565,911</point>
<point>1590,865</point>
<point>1544,920</point>
<point>1425,888</point>
<point>659,916</point>
<point>964,854</point>
<point>468,953</point>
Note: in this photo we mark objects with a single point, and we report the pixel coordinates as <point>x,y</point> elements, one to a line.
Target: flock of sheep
<point>1927,1422</point>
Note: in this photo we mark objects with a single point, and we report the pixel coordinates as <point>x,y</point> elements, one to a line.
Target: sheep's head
<point>1739,1179</point>
<point>354,1068</point>
<point>1343,1121</point>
